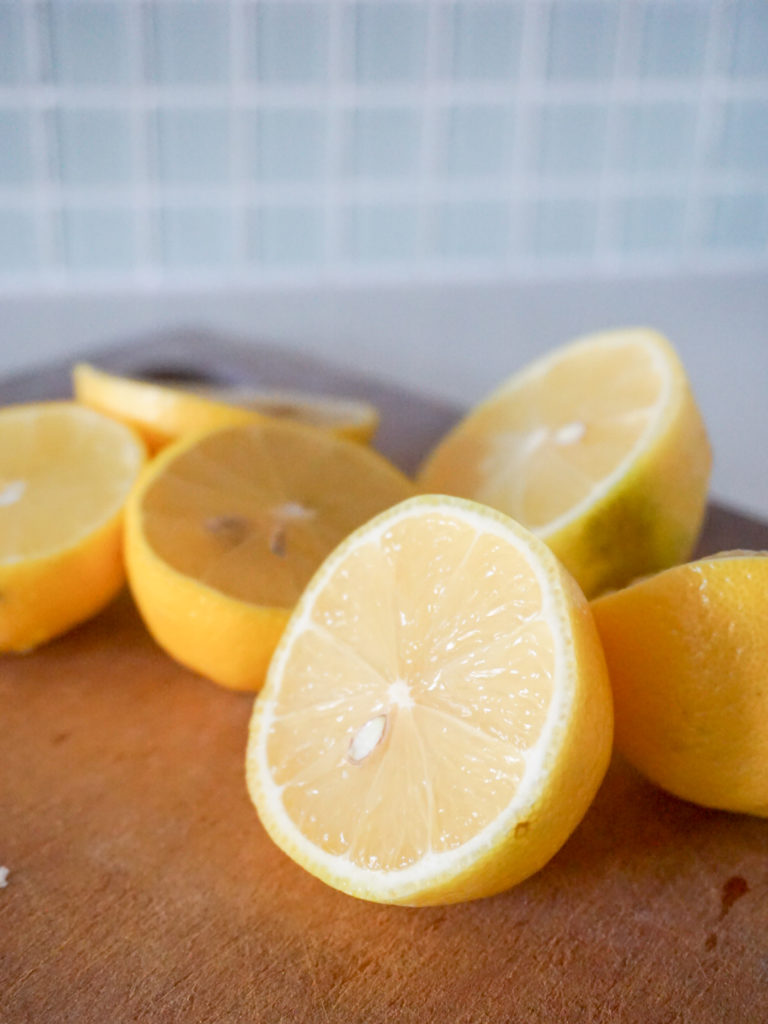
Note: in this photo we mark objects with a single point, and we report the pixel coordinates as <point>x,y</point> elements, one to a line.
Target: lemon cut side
<point>225,529</point>
<point>599,448</point>
<point>437,718</point>
<point>65,475</point>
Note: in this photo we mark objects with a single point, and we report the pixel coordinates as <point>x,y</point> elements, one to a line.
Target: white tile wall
<point>157,139</point>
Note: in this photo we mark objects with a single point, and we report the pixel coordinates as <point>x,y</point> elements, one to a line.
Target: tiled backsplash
<point>156,138</point>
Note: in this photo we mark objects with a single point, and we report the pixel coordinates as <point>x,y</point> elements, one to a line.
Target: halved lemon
<point>598,447</point>
<point>437,717</point>
<point>225,529</point>
<point>65,474</point>
<point>162,413</point>
<point>353,418</point>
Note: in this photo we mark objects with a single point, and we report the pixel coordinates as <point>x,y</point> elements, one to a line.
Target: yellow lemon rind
<point>686,650</point>
<point>158,413</point>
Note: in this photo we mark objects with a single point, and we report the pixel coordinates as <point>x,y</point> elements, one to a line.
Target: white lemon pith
<point>598,447</point>
<point>436,718</point>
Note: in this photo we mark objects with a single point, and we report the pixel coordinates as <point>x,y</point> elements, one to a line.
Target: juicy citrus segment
<point>598,447</point>
<point>436,718</point>
<point>687,651</point>
<point>226,528</point>
<point>65,474</point>
<point>163,413</point>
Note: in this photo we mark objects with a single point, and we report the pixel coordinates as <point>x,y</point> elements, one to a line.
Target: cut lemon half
<point>163,413</point>
<point>598,447</point>
<point>226,528</point>
<point>353,418</point>
<point>437,716</point>
<point>65,474</point>
<point>687,652</point>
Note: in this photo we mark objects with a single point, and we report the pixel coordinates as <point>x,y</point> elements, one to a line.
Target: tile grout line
<point>445,91</point>
<point>334,157</point>
<point>143,143</point>
<point>43,142</point>
<point>535,31</point>
<point>464,271</point>
<point>350,190</point>
<point>237,161</point>
<point>606,240</point>
<point>706,122</point>
<point>429,151</point>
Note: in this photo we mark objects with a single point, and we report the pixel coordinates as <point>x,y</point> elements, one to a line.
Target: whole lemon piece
<point>687,653</point>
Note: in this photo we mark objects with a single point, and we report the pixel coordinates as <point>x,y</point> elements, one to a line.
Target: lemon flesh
<point>599,448</point>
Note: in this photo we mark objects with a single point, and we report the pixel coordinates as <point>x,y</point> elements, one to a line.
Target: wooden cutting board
<point>142,887</point>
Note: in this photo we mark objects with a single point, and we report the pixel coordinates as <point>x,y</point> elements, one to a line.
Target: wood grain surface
<point>142,888</point>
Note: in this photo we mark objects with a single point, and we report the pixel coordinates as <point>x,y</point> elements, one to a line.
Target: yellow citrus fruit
<point>687,652</point>
<point>353,418</point>
<point>224,530</point>
<point>65,474</point>
<point>162,413</point>
<point>436,718</point>
<point>598,447</point>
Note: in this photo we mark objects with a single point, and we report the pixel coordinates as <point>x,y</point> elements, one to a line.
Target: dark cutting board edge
<point>210,358</point>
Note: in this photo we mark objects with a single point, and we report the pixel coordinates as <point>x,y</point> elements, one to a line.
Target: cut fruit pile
<point>163,413</point>
<point>598,447</point>
<point>225,530</point>
<point>65,473</point>
<point>437,717</point>
<point>437,714</point>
